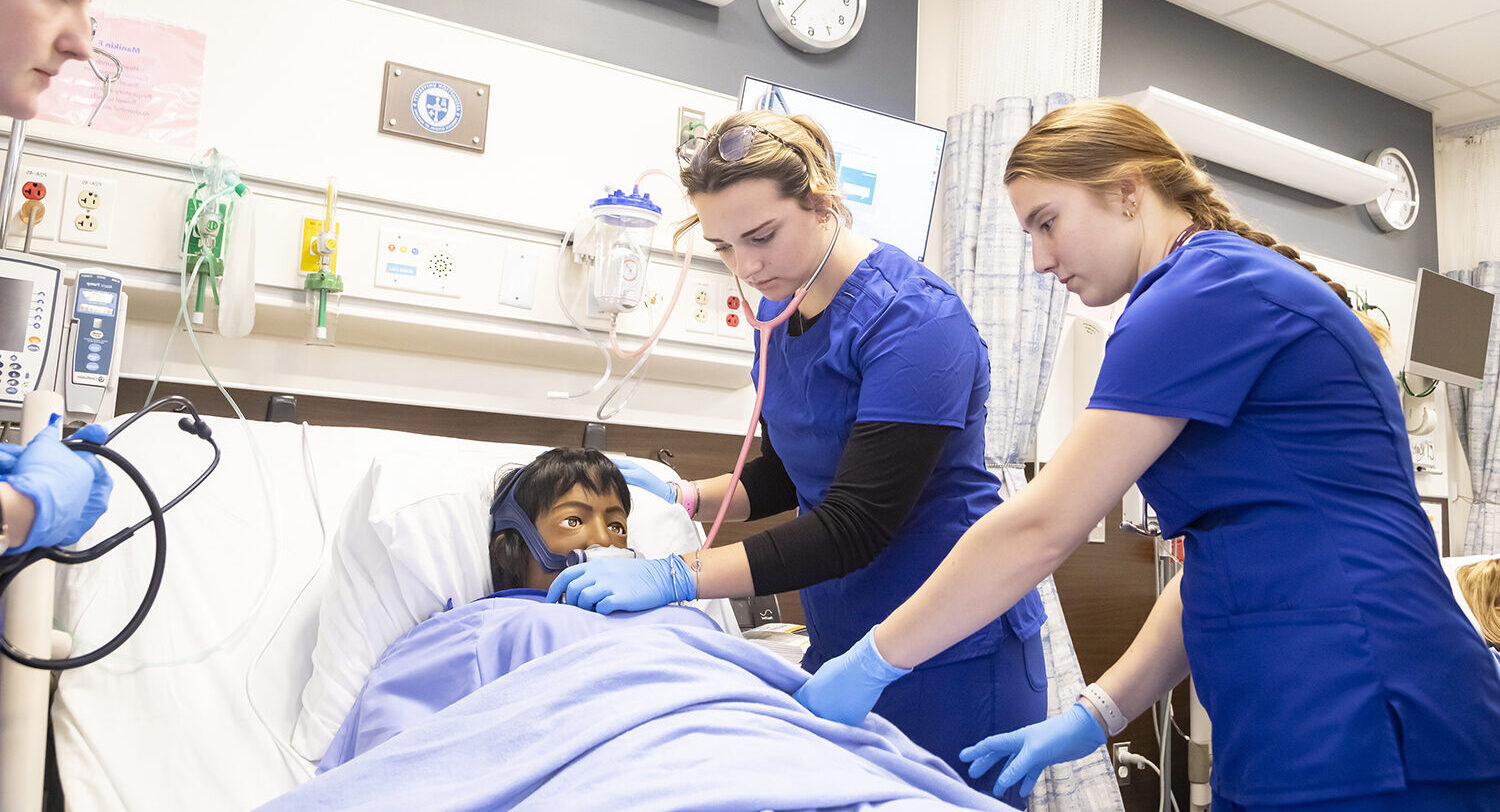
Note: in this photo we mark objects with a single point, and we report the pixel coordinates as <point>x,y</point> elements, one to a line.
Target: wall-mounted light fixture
<point>1217,136</point>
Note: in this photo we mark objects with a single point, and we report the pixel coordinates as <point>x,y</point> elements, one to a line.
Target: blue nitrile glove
<point>1070,735</point>
<point>70,488</point>
<point>641,478</point>
<point>847,687</point>
<point>624,584</point>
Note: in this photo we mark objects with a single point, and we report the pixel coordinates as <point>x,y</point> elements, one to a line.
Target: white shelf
<point>1249,147</point>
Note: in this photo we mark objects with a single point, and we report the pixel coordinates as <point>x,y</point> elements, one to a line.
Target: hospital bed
<point>288,573</point>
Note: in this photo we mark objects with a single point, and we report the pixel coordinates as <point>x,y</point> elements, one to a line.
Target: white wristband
<point>1114,721</point>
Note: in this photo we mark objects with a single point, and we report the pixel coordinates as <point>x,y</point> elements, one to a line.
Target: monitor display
<point>887,166</point>
<point>1450,330</point>
<point>15,307</point>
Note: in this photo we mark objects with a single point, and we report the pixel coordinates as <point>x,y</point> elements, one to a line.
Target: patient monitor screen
<point>887,166</point>
<point>15,304</point>
<point>1450,329</point>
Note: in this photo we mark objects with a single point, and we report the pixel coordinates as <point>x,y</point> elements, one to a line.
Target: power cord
<point>1130,759</point>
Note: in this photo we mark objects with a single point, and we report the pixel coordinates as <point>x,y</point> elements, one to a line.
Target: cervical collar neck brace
<point>507,515</point>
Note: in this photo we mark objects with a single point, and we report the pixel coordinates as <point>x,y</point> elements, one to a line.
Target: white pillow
<point>415,535</point>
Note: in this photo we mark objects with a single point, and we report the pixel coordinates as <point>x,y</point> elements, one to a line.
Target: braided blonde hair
<point>1101,143</point>
<point>803,172</point>
<point>1480,584</point>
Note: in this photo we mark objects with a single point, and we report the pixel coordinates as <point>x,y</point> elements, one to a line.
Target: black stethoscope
<point>12,565</point>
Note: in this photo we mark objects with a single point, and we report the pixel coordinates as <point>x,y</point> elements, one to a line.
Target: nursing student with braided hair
<point>1254,410</point>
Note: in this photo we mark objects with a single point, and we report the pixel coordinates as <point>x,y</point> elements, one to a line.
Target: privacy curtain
<point>1017,59</point>
<point>1468,195</point>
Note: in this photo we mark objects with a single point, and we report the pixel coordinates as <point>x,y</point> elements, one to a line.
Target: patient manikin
<point>566,502</point>
<point>566,507</point>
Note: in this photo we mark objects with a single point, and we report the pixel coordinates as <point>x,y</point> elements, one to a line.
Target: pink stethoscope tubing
<point>764,328</point>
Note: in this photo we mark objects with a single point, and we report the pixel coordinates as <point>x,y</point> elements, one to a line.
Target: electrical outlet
<point>1122,770</point>
<point>45,186</point>
<point>700,314</point>
<point>88,211</point>
<point>732,323</point>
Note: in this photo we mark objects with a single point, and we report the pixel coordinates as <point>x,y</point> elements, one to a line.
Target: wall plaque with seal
<point>434,107</point>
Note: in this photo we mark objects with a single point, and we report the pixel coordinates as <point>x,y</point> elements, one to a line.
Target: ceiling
<point>1441,55</point>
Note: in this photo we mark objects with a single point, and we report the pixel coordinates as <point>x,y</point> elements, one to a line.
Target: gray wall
<point>710,47</point>
<point>1152,42</point>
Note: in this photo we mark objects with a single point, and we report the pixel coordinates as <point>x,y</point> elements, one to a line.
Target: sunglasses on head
<point>733,145</point>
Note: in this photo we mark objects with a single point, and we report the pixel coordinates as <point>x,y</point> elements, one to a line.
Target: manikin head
<point>571,498</point>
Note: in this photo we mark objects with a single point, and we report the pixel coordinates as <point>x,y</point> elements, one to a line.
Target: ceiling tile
<point>1385,72</point>
<point>1464,53</point>
<point>1285,28</point>
<point>1385,22</point>
<point>1462,108</point>
<point>1215,7</point>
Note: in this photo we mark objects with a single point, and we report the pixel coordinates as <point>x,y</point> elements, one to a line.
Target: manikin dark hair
<point>544,481</point>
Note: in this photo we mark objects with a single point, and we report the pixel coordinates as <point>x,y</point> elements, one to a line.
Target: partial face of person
<point>37,37</point>
<point>1081,237</point>
<point>582,519</point>
<point>766,239</point>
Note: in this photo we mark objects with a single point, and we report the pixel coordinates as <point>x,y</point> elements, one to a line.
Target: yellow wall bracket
<point>309,263</point>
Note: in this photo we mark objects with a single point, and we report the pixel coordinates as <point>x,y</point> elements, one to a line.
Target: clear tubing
<point>687,259</point>
<point>764,328</point>
<point>644,351</point>
<point>609,362</point>
<point>263,479</point>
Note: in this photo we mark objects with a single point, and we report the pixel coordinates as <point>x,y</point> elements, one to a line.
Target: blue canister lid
<point>619,198</point>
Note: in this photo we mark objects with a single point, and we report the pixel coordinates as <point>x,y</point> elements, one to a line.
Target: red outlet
<point>733,302</point>
<point>32,190</point>
<point>733,320</point>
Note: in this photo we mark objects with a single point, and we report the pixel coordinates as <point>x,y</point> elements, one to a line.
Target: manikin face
<point>769,241</point>
<point>578,520</point>
<point>582,519</point>
<point>36,38</point>
<point>1081,237</point>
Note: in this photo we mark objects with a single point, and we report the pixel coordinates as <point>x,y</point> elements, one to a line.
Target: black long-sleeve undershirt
<point>882,472</point>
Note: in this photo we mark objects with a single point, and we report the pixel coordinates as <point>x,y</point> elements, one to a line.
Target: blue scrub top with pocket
<point>896,345</point>
<point>1323,637</point>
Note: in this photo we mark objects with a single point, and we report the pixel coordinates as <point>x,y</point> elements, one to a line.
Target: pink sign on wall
<point>159,95</point>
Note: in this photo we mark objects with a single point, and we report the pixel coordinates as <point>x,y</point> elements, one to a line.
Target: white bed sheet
<point>165,722</point>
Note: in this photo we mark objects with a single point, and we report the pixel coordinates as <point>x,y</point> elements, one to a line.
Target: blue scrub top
<point>896,345</point>
<point>1323,637</point>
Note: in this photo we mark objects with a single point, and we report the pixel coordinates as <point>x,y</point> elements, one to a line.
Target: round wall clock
<point>1395,209</point>
<point>814,26</point>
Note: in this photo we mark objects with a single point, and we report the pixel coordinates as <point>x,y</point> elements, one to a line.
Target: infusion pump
<point>57,338</point>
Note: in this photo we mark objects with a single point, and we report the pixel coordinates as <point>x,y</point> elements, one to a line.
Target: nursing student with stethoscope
<point>1260,421</point>
<point>872,427</point>
<point>49,495</point>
